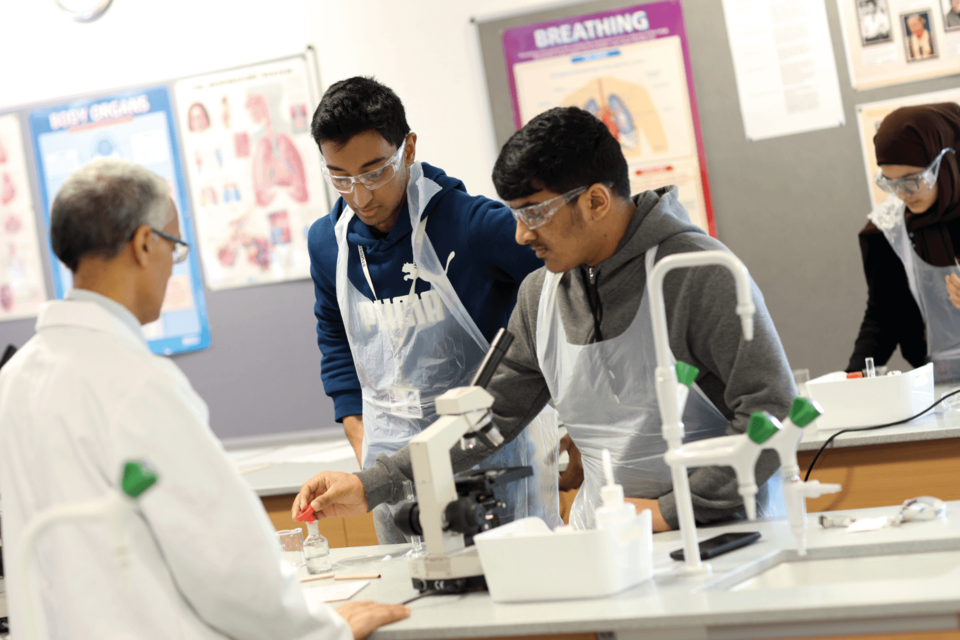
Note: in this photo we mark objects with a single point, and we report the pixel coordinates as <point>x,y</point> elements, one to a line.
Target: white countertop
<point>281,469</point>
<point>676,607</point>
<point>934,425</point>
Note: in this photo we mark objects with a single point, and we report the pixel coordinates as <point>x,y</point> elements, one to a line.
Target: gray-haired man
<point>83,396</point>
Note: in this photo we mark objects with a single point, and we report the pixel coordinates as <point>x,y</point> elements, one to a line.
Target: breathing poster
<point>136,126</point>
<point>895,41</point>
<point>869,117</point>
<point>254,171</point>
<point>21,268</point>
<point>631,69</point>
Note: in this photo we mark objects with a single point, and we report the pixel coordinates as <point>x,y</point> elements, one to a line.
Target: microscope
<point>451,509</point>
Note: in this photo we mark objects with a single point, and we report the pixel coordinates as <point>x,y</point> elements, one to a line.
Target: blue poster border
<point>159,99</point>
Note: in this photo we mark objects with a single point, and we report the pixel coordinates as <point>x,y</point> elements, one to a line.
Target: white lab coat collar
<point>88,315</point>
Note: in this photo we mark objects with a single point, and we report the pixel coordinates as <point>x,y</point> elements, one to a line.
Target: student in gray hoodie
<point>584,338</point>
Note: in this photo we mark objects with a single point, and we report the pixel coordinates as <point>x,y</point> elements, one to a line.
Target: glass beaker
<point>417,550</point>
<point>291,547</point>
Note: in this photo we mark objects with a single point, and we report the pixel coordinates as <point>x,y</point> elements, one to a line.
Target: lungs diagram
<point>628,112</point>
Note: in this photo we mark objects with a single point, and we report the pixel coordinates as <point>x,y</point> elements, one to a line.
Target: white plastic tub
<point>524,561</point>
<point>866,402</point>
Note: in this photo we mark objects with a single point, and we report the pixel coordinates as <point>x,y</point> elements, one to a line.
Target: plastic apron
<point>606,393</point>
<point>927,285</point>
<point>411,349</point>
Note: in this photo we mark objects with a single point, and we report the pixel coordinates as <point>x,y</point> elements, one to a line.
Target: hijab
<point>914,136</point>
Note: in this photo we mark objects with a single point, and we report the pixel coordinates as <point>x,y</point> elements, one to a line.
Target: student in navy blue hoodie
<point>394,331</point>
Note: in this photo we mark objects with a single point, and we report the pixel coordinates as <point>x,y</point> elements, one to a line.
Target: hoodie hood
<point>360,234</point>
<point>659,216</point>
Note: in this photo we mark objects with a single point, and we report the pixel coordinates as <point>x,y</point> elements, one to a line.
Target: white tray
<point>867,402</point>
<point>524,561</point>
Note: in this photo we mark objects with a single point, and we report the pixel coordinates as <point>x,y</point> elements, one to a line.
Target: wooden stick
<point>252,469</point>
<point>322,576</point>
<point>365,576</point>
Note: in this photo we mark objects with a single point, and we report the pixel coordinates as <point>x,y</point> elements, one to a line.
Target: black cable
<point>881,426</point>
<point>422,595</point>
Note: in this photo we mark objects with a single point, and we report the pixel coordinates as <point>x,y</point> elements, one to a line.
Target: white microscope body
<point>463,410</point>
<point>739,451</point>
<point>450,565</point>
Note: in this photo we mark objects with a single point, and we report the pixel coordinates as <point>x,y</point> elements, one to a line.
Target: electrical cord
<point>422,595</point>
<point>881,426</point>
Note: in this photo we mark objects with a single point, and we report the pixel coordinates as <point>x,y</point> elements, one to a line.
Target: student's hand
<point>953,289</point>
<point>332,495</point>
<point>572,477</point>
<point>659,524</point>
<point>364,616</point>
<point>353,429</point>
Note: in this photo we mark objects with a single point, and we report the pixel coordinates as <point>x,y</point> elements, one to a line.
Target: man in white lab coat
<point>84,395</point>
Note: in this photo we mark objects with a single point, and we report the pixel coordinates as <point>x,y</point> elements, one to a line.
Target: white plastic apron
<point>927,282</point>
<point>411,349</point>
<point>606,393</point>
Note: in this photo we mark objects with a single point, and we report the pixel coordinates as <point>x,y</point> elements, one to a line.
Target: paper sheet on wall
<point>895,41</point>
<point>630,68</point>
<point>869,117</point>
<point>254,171</point>
<point>22,287</point>
<point>784,65</point>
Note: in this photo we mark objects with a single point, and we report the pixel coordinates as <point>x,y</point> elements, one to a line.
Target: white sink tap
<point>670,397</point>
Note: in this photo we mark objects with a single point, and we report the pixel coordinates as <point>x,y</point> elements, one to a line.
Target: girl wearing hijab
<point>911,242</point>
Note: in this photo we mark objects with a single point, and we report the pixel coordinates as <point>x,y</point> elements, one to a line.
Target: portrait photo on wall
<point>918,36</point>
<point>951,15</point>
<point>873,16</point>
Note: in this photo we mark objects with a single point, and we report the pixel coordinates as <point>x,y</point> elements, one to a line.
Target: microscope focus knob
<point>407,519</point>
<point>465,516</point>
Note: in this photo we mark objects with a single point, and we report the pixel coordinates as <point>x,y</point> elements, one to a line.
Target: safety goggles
<point>181,248</point>
<point>537,215</point>
<point>909,185</point>
<point>371,179</point>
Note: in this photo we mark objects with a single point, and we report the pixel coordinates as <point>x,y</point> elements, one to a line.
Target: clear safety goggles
<point>909,185</point>
<point>537,215</point>
<point>181,248</point>
<point>371,179</point>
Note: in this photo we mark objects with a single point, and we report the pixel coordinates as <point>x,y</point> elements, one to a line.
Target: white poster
<point>254,171</point>
<point>22,287</point>
<point>895,41</point>
<point>785,67</point>
<point>870,116</point>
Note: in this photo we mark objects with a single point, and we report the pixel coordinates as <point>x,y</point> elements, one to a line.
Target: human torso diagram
<point>276,161</point>
<point>628,112</point>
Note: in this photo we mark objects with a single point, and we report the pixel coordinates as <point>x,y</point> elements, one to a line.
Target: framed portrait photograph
<point>918,39</point>
<point>873,18</point>
<point>951,15</point>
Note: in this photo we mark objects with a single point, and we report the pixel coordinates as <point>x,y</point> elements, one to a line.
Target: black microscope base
<point>454,585</point>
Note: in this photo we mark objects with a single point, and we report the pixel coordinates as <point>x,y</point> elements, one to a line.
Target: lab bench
<point>887,466</point>
<point>901,582</point>
<point>875,468</point>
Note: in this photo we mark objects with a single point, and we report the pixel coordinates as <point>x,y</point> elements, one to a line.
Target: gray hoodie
<point>737,375</point>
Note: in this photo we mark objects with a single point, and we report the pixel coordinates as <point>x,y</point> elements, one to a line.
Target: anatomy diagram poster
<point>630,68</point>
<point>136,126</point>
<point>21,267</point>
<point>895,41</point>
<point>869,117</point>
<point>254,171</point>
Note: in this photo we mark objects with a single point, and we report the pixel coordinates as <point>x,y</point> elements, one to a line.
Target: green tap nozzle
<point>762,426</point>
<point>686,373</point>
<point>804,411</point>
<point>137,478</point>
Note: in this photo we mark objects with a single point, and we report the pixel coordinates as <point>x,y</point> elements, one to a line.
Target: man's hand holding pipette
<point>331,495</point>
